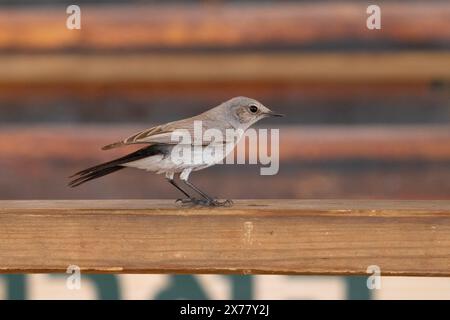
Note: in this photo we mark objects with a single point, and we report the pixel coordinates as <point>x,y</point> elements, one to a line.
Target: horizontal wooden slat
<point>24,178</point>
<point>304,103</point>
<point>368,142</point>
<point>216,91</point>
<point>306,143</point>
<point>410,66</point>
<point>412,162</point>
<point>225,26</point>
<point>252,237</point>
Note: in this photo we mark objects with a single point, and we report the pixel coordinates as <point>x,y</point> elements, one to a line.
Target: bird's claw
<point>190,201</point>
<point>204,203</point>
<point>217,203</point>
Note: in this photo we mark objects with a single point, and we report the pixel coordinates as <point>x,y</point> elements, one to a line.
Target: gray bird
<point>237,114</point>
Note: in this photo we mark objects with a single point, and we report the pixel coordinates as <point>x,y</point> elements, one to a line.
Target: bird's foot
<point>192,202</point>
<point>217,203</point>
<point>204,202</point>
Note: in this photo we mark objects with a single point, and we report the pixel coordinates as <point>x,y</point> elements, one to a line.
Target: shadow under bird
<point>238,114</point>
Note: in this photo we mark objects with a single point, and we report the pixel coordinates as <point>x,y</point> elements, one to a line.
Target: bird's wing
<point>163,134</point>
<point>151,135</point>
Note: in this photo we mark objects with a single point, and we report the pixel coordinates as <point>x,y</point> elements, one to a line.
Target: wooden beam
<point>157,68</point>
<point>24,178</point>
<point>307,143</point>
<point>213,92</point>
<point>253,237</point>
<point>224,26</point>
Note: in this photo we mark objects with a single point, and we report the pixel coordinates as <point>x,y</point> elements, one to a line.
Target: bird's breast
<point>180,157</point>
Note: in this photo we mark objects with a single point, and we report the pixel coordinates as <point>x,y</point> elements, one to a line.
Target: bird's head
<point>244,111</point>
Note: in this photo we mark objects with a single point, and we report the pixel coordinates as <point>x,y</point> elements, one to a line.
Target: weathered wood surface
<point>304,103</point>
<point>353,162</point>
<point>306,143</point>
<point>268,67</point>
<point>225,26</point>
<point>253,237</point>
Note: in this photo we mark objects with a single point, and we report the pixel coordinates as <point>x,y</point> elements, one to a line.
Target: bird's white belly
<point>153,163</point>
<point>195,158</point>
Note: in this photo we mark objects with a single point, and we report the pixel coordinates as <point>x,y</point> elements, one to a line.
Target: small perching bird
<point>236,114</point>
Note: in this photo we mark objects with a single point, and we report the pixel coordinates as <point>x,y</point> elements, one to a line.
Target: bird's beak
<point>273,114</point>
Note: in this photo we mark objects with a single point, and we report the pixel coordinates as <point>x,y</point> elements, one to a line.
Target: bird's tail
<point>111,166</point>
<point>92,174</point>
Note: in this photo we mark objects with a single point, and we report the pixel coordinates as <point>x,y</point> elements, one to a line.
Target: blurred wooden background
<point>368,111</point>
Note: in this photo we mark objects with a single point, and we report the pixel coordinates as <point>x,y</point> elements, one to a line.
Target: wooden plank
<point>216,91</point>
<point>24,178</point>
<point>253,237</point>
<point>412,162</point>
<point>305,143</point>
<point>305,103</point>
<point>155,68</point>
<point>225,26</point>
<point>395,142</point>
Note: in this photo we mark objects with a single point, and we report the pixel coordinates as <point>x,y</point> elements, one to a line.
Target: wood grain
<point>233,26</point>
<point>253,237</point>
<point>24,178</point>
<point>305,103</point>
<point>305,143</point>
<point>266,67</point>
<point>353,162</point>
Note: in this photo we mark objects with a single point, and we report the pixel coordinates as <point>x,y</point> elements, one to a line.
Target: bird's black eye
<point>253,109</point>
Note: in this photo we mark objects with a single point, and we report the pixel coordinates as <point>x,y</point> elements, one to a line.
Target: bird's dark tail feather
<point>93,175</point>
<point>111,166</point>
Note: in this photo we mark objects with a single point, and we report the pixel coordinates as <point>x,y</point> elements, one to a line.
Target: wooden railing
<point>253,237</point>
<point>175,68</point>
<point>290,25</point>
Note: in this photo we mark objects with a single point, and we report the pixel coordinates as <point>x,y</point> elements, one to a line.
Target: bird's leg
<point>200,192</point>
<point>189,199</point>
<point>209,200</point>
<point>172,182</point>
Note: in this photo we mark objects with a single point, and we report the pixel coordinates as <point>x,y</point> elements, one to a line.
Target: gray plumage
<point>238,113</point>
